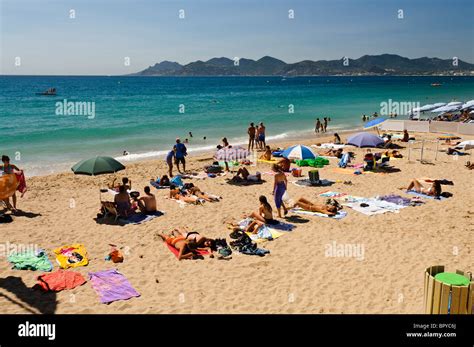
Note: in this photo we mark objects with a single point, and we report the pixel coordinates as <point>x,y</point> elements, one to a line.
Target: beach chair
<point>314,177</point>
<point>109,209</point>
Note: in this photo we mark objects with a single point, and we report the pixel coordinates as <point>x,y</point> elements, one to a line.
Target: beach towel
<point>329,146</point>
<point>60,280</point>
<point>177,181</point>
<point>347,171</point>
<point>307,183</point>
<point>339,215</point>
<point>71,256</point>
<point>156,184</point>
<point>21,183</point>
<point>176,251</point>
<point>31,260</point>
<point>374,206</point>
<point>396,199</point>
<point>331,194</point>
<point>139,218</point>
<point>421,195</point>
<point>274,161</point>
<point>266,232</point>
<point>111,286</point>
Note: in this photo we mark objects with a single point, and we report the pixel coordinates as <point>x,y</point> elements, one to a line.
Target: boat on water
<point>436,84</point>
<point>50,91</point>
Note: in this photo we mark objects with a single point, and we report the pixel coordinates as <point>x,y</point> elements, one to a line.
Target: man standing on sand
<point>251,131</point>
<point>261,135</point>
<point>180,152</point>
<point>170,157</point>
<point>325,125</point>
<point>318,125</point>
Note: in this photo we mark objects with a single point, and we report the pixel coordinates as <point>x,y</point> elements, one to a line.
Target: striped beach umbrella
<point>231,153</point>
<point>298,152</point>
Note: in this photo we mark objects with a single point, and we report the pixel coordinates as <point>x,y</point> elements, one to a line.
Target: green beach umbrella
<point>96,166</point>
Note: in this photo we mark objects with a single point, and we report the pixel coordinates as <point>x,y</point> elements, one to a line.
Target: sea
<point>107,115</point>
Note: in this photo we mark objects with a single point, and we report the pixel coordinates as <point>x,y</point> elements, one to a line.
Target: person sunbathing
<point>393,154</point>
<point>147,203</point>
<point>123,203</point>
<point>196,240</point>
<point>284,164</point>
<point>178,194</point>
<point>267,155</point>
<point>197,192</point>
<point>181,244</point>
<point>333,153</point>
<point>246,176</point>
<point>433,190</point>
<point>264,213</point>
<point>470,165</point>
<point>307,205</point>
<point>369,160</point>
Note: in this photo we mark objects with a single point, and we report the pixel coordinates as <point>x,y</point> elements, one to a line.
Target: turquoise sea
<point>144,115</point>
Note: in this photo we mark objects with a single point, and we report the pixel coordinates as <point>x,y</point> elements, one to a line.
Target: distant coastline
<point>367,65</point>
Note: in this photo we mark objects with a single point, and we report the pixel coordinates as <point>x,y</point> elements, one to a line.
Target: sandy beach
<point>296,277</point>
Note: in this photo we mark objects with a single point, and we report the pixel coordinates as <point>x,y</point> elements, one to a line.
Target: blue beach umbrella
<point>374,122</point>
<point>365,140</point>
<point>298,152</point>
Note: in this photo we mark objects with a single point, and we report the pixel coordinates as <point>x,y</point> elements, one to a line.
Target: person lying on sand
<point>267,155</point>
<point>244,175</point>
<point>330,210</point>
<point>470,165</point>
<point>147,203</point>
<point>194,190</point>
<point>178,194</point>
<point>333,153</point>
<point>196,241</point>
<point>433,190</point>
<point>284,164</point>
<point>393,154</point>
<point>181,244</point>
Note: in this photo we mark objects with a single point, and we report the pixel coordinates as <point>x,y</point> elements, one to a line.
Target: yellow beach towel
<point>267,161</point>
<point>275,234</point>
<point>71,256</point>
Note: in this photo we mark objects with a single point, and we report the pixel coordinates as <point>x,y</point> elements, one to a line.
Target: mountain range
<point>384,64</point>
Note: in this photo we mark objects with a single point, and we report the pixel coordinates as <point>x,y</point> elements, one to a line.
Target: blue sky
<point>104,32</point>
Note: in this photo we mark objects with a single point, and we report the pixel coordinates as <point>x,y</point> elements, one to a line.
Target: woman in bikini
<point>416,186</point>
<point>8,168</point>
<point>196,241</point>
<point>177,194</point>
<point>265,212</point>
<point>181,244</point>
<point>307,205</point>
<point>197,192</point>
<point>279,188</point>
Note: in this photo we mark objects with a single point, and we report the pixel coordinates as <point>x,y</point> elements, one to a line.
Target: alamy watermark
<point>75,108</point>
<point>7,248</point>
<point>397,107</point>
<point>344,250</point>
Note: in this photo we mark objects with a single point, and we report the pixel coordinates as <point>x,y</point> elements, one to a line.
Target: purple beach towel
<point>111,286</point>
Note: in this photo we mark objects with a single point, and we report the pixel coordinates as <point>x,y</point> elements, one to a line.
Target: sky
<point>107,34</point>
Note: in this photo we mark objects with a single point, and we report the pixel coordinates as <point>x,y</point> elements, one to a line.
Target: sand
<point>297,277</point>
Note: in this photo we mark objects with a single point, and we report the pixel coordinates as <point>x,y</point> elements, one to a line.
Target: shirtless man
<point>251,131</point>
<point>246,176</point>
<point>147,203</point>
<point>261,135</point>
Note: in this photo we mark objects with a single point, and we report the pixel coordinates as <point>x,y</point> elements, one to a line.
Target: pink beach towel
<point>176,252</point>
<point>22,183</point>
<point>111,286</point>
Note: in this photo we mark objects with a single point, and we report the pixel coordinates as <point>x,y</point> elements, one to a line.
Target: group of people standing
<point>322,126</point>
<point>256,136</point>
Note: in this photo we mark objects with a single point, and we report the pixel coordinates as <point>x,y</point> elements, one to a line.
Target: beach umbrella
<point>298,152</point>
<point>454,103</point>
<point>231,153</point>
<point>427,107</point>
<point>439,104</point>
<point>365,140</point>
<point>374,123</point>
<point>465,145</point>
<point>447,108</point>
<point>97,165</point>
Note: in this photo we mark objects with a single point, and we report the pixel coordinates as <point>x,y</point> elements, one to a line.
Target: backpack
<point>6,218</point>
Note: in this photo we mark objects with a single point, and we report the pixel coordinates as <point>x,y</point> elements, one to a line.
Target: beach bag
<point>297,172</point>
<point>6,218</point>
<point>177,181</point>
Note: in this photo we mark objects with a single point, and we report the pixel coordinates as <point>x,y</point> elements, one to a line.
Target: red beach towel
<point>22,183</point>
<point>60,280</point>
<point>176,252</point>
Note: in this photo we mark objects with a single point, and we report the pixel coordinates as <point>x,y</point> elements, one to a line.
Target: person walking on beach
<point>325,125</point>
<point>318,125</point>
<point>170,157</point>
<point>251,132</point>
<point>180,152</point>
<point>261,135</point>
<point>225,145</point>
